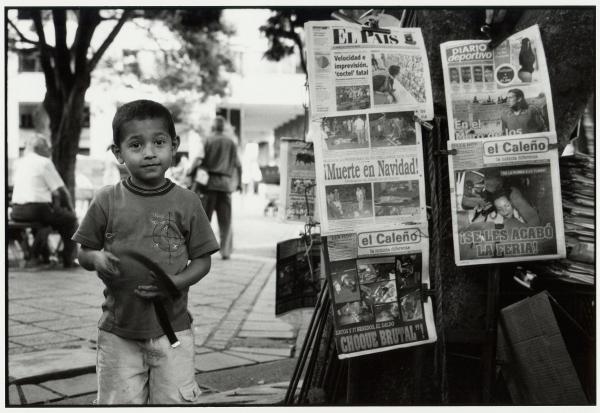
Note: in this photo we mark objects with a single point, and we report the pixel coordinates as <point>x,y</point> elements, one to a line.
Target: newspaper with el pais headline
<point>351,70</point>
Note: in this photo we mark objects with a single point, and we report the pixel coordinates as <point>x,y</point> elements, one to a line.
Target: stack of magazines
<point>578,197</point>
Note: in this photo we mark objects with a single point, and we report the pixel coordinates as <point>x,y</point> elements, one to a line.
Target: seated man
<point>38,190</point>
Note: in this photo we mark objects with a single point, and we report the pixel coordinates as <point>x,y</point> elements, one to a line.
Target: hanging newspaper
<point>369,170</point>
<point>298,274</point>
<point>499,92</point>
<point>297,180</point>
<point>378,300</point>
<point>506,200</point>
<point>351,70</point>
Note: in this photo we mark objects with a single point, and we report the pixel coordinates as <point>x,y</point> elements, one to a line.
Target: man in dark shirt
<point>223,165</point>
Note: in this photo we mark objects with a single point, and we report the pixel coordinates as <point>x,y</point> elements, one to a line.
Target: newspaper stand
<point>336,376</point>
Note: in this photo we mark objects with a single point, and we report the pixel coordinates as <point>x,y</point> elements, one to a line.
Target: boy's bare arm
<point>104,262</point>
<point>193,273</point>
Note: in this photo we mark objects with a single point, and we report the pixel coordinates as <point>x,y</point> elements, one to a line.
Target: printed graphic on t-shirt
<point>166,235</point>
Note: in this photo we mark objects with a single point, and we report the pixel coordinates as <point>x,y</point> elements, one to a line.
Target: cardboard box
<point>533,356</point>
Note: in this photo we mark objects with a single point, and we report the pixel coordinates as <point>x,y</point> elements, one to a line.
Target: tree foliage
<point>68,66</point>
<point>284,31</point>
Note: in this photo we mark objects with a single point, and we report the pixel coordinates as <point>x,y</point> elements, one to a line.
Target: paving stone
<point>87,300</point>
<point>66,323</point>
<point>223,332</point>
<point>283,351</point>
<point>266,394</point>
<point>217,344</point>
<point>50,361</point>
<point>74,386</point>
<point>255,316</point>
<point>209,311</point>
<point>15,330</point>
<point>85,400</point>
<point>53,304</point>
<point>273,326</point>
<point>268,334</point>
<point>35,316</point>
<point>203,301</point>
<point>33,394</point>
<point>202,350</point>
<point>42,339</point>
<point>14,348</point>
<point>85,312</point>
<point>219,361</point>
<point>224,305</point>
<point>259,358</point>
<point>201,340</point>
<point>14,308</point>
<point>22,295</point>
<point>219,336</point>
<point>89,333</point>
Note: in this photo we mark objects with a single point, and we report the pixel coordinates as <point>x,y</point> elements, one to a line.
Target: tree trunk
<point>65,127</point>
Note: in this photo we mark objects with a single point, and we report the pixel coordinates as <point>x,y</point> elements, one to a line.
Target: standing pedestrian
<point>149,215</point>
<point>224,168</point>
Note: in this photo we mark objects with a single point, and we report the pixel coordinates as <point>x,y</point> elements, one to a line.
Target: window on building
<point>27,115</point>
<point>85,120</point>
<point>29,61</point>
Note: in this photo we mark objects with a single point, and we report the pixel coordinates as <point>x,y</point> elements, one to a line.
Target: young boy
<point>152,216</point>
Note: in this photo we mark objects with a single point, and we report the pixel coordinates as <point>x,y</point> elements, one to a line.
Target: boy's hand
<point>149,292</point>
<point>107,265</point>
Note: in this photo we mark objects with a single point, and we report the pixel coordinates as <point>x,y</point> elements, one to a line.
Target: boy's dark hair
<point>140,110</point>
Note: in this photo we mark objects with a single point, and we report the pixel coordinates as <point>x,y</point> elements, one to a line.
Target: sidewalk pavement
<point>234,325</point>
<point>53,314</point>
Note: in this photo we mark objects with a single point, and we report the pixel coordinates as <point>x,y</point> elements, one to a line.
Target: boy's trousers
<point>146,371</point>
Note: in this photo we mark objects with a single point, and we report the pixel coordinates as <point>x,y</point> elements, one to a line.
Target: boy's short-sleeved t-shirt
<point>169,226</point>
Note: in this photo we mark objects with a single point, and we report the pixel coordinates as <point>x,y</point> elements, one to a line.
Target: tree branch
<point>150,34</point>
<point>88,21</point>
<point>109,39</point>
<point>63,58</point>
<point>45,57</point>
<point>21,35</point>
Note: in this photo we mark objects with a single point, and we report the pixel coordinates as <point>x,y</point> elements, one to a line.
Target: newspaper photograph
<point>369,171</point>
<point>297,182</point>
<point>499,92</point>
<point>298,274</point>
<point>351,70</point>
<point>377,301</point>
<point>506,200</point>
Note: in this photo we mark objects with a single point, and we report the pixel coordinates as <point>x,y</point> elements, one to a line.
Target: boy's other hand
<point>107,265</point>
<point>149,292</point>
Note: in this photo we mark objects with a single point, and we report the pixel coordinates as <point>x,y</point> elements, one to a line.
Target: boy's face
<point>147,150</point>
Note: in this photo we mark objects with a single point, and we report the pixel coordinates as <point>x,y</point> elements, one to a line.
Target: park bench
<point>17,232</point>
